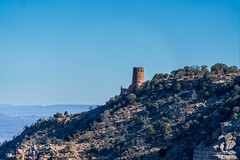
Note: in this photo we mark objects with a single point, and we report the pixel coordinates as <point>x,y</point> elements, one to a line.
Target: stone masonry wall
<point>138,76</point>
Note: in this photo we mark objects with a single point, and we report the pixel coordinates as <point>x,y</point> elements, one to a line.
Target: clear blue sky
<point>82,51</point>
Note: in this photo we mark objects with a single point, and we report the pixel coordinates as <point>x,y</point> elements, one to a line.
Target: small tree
<point>236,109</point>
<point>68,148</point>
<point>206,76</point>
<point>234,116</point>
<point>166,129</point>
<point>233,69</point>
<point>55,141</point>
<point>177,87</point>
<point>146,122</point>
<point>206,94</point>
<point>131,98</point>
<point>219,68</point>
<point>58,115</point>
<point>151,131</point>
<point>66,113</point>
<point>118,150</point>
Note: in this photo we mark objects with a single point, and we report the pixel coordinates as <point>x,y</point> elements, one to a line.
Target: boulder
<point>220,138</point>
<point>230,144</point>
<point>228,137</point>
<point>9,155</point>
<point>222,147</point>
<point>225,157</point>
<point>216,147</point>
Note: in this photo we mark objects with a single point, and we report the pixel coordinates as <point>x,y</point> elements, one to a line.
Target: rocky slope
<point>175,116</point>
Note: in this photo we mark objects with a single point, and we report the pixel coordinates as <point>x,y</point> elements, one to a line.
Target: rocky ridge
<point>191,113</point>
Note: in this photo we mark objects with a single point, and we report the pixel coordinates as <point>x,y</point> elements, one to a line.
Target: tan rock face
<point>216,147</point>
<point>222,149</point>
<point>225,157</point>
<point>206,154</point>
<point>9,155</point>
<point>230,144</point>
<point>228,137</point>
<point>222,146</point>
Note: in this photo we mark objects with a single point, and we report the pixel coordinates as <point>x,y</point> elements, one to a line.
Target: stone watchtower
<point>138,76</point>
<point>137,80</point>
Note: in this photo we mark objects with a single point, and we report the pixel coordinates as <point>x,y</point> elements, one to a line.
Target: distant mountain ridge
<point>14,117</point>
<point>2,115</point>
<point>38,110</point>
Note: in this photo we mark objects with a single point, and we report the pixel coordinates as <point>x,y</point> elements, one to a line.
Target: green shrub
<point>67,148</point>
<point>177,87</point>
<point>117,150</point>
<point>55,141</point>
<point>58,115</point>
<point>66,113</point>
<point>131,98</point>
<point>219,68</point>
<point>151,131</point>
<point>87,137</point>
<point>129,144</point>
<point>206,76</point>
<point>236,109</point>
<point>166,129</point>
<point>206,94</point>
<point>69,138</point>
<point>165,119</point>
<point>234,116</point>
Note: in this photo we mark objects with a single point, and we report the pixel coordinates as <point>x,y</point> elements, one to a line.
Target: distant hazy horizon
<point>48,105</point>
<point>14,118</point>
<point>40,110</point>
